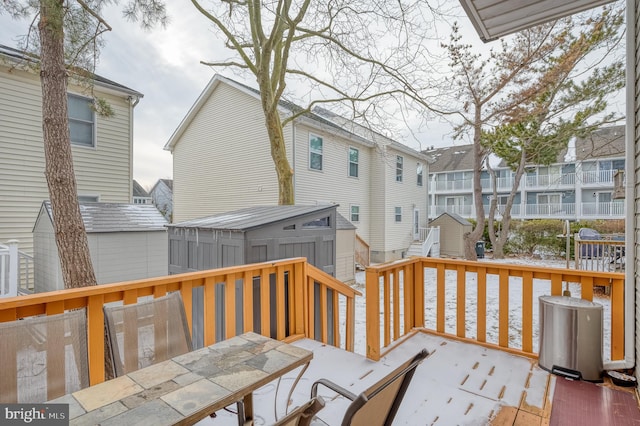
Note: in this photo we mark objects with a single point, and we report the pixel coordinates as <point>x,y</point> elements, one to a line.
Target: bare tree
<point>497,88</point>
<point>570,102</point>
<point>350,51</point>
<point>68,39</point>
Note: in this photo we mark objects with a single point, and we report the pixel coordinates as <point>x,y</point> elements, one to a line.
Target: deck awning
<point>496,18</point>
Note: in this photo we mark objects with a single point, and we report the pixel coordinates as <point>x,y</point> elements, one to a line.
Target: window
<point>322,222</point>
<point>315,152</point>
<point>355,213</point>
<point>399,163</point>
<point>353,162</point>
<point>420,173</point>
<point>88,198</point>
<point>81,121</point>
<point>398,214</point>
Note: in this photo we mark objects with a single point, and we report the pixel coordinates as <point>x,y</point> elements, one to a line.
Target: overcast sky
<point>164,65</point>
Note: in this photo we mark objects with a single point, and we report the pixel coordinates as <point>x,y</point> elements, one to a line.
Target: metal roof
<point>493,19</point>
<point>251,217</point>
<point>118,217</point>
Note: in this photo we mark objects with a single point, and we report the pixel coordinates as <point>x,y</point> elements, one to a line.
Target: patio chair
<point>147,332</point>
<point>302,415</point>
<point>43,357</point>
<point>378,404</point>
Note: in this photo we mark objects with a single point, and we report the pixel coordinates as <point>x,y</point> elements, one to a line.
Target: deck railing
<point>363,252</point>
<point>307,304</point>
<point>414,294</point>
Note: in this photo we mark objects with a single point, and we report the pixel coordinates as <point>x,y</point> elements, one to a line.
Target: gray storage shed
<point>251,235</point>
<point>452,230</point>
<point>126,242</point>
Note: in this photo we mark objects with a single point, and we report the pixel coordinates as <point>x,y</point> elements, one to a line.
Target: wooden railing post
<point>373,314</point>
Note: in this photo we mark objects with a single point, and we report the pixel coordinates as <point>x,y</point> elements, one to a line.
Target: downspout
<point>133,101</point>
<point>293,158</point>
<point>630,166</point>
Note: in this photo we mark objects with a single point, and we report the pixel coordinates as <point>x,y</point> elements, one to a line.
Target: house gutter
<point>133,101</point>
<point>630,165</point>
<point>293,158</point>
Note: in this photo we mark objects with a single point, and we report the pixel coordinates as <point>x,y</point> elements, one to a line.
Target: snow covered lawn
<point>540,288</point>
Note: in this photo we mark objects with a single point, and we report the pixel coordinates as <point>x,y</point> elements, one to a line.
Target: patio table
<point>189,387</point>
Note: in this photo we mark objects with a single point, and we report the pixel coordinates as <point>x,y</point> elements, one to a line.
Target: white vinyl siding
<point>333,184</point>
<point>105,170</point>
<point>399,235</point>
<point>222,161</point>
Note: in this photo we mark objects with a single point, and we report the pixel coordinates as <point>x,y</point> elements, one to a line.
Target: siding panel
<point>104,170</point>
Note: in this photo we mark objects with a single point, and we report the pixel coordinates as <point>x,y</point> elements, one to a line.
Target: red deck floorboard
<point>585,404</point>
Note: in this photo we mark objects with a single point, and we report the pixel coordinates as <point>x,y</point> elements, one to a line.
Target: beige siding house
<point>102,147</point>
<point>222,162</point>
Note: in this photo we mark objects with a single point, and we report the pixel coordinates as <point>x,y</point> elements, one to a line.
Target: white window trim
<point>395,214</point>
<point>401,169</point>
<point>420,182</point>
<point>313,135</point>
<point>94,129</point>
<point>357,163</point>
<point>351,213</point>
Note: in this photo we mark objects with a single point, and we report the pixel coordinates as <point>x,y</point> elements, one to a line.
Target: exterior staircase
<point>427,245</point>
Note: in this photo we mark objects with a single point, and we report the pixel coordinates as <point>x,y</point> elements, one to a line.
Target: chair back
<point>302,415</point>
<point>145,333</point>
<point>43,357</point>
<point>382,400</point>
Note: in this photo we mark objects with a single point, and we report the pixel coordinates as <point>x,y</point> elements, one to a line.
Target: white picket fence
<point>16,270</point>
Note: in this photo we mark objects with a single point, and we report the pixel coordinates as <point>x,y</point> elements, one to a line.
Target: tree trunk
<point>278,148</point>
<point>71,238</point>
<point>475,235</point>
<point>501,241</point>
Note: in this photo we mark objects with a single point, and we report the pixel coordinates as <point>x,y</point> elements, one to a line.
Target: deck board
<point>459,383</point>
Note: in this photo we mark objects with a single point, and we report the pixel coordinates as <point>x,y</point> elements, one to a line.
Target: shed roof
<point>342,223</point>
<point>495,18</point>
<point>117,217</point>
<point>251,217</point>
<point>461,220</point>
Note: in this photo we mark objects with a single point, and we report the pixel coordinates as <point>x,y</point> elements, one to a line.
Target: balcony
<point>597,178</point>
<point>552,210</point>
<point>549,181</point>
<point>464,211</point>
<point>409,304</point>
<point>614,209</point>
<point>503,183</point>
<point>453,185</point>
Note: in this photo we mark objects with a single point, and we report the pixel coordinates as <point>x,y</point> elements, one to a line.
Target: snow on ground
<point>540,288</point>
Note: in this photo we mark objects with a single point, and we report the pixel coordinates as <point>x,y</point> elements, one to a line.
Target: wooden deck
<point>459,383</point>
